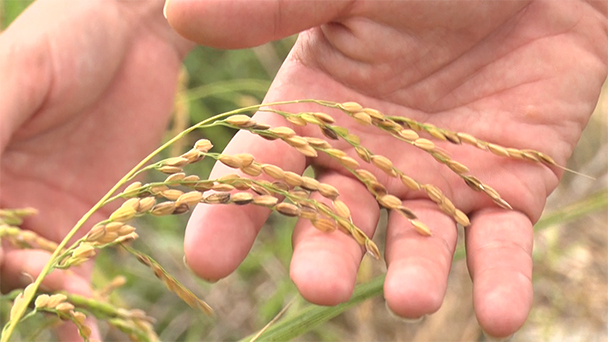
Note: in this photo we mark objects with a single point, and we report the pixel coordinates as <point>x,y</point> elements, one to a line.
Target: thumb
<point>234,24</point>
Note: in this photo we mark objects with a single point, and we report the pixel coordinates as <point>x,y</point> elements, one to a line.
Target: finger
<point>219,237</point>
<point>245,23</point>
<point>324,265</point>
<point>499,257</point>
<point>418,266</point>
<point>19,269</point>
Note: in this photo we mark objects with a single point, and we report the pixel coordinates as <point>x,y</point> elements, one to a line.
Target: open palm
<point>80,82</point>
<point>522,74</point>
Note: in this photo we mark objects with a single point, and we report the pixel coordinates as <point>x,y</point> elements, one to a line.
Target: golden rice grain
<point>123,214</point>
<point>203,145</point>
<point>190,198</point>
<point>125,230</point>
<point>246,159</point>
<point>359,236</point>
<point>42,301</point>
<point>408,134</point>
<point>171,194</point>
<point>176,177</point>
<point>409,182</point>
<point>372,249</point>
<point>279,185</point>
<point>461,218</point>
<point>424,144</point>
<point>308,213</point>
<point>300,194</point>
<point>515,153</point>
<point>146,204</point>
<point>64,308</point>
<point>260,190</point>
<point>434,193</point>
<point>273,171</point>
<point>351,107</point>
<point>498,150</point>
<point>435,133</point>
<point>323,117</point>
<point>95,233</point>
<point>298,121</point>
<point>389,201</point>
<point>377,189</point>
<point>457,167</point>
<point>241,184</point>
<point>336,153</point>
<point>112,227</point>
<point>447,206</point>
<point>308,151</point>
<point>265,201</point>
<point>175,161</point>
<point>316,142</point>
<point>162,209</point>
<point>287,209</point>
<point>203,185</point>
<point>363,153</point>
<point>282,132</point>
<point>240,120</point>
<point>341,209</point>
<point>349,162</point>
<point>384,164</point>
<point>157,189</point>
<point>193,156</point>
<point>292,179</point>
<point>421,228</point>
<point>84,250</point>
<point>131,202</point>
<point>324,224</point>
<point>230,161</point>
<point>362,118</point>
<point>109,237</point>
<point>133,187</point>
<point>56,299</point>
<point>296,141</point>
<point>222,187</point>
<point>328,191</point>
<point>452,137</point>
<point>365,175</point>
<point>375,114</point>
<point>241,198</point>
<point>467,138</point>
<point>217,198</point>
<point>253,170</point>
<point>310,184</point>
<point>169,169</point>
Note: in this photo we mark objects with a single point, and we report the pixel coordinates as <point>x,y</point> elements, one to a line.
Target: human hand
<point>79,106</point>
<point>523,74</point>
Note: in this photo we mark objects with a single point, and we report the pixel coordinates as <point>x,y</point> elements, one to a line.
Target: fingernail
<point>404,319</point>
<point>25,279</point>
<point>490,338</point>
<point>165,9</point>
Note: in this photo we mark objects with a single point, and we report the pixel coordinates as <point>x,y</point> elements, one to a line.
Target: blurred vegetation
<point>571,250</point>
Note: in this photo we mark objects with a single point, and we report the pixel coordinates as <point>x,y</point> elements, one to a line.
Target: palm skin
<point>522,74</point>
<point>79,78</point>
